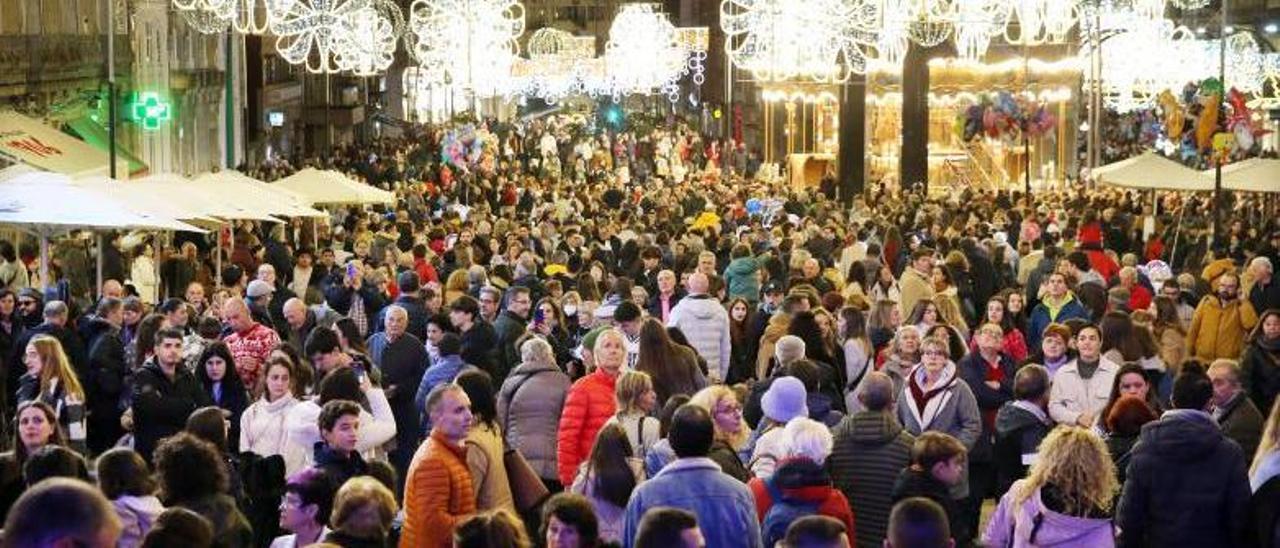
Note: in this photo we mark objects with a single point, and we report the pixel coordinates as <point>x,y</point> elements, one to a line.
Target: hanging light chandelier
<point>1040,21</point>
<point>642,54</point>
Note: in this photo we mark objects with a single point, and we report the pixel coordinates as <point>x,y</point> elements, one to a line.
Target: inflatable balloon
<point>1208,122</point>
<point>1174,119</point>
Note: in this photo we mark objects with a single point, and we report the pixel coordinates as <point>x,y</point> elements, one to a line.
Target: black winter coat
<point>1261,366</point>
<point>972,369</point>
<point>161,406</point>
<point>104,385</point>
<point>1187,485</point>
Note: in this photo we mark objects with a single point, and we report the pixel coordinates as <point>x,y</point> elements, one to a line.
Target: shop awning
<point>29,141</point>
<point>333,188</point>
<point>1252,175</point>
<point>96,136</point>
<point>1151,171</point>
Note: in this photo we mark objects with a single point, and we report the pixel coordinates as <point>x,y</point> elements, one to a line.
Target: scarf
<point>925,405</point>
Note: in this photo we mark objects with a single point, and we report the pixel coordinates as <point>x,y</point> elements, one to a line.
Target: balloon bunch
<point>1202,128</point>
<point>463,147</point>
<point>1002,116</point>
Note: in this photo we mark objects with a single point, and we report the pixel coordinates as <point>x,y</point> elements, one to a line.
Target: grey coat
<point>956,415</point>
<point>529,407</point>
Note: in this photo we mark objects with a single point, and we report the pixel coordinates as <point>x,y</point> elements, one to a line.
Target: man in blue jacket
<point>724,506</point>
<point>1057,306</point>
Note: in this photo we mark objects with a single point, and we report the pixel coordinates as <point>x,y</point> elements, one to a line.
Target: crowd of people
<point>613,339</point>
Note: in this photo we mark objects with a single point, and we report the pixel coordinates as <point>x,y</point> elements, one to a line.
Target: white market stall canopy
<point>49,203</point>
<point>265,197</point>
<point>1151,171</point>
<point>1252,175</point>
<point>29,141</point>
<point>333,188</point>
<point>208,201</point>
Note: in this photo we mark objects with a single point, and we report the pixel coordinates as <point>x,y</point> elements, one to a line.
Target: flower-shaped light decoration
<point>818,40</point>
<point>366,41</point>
<point>470,44</point>
<point>900,22</point>
<point>976,22</point>
<point>305,31</point>
<point>643,54</point>
<point>251,16</point>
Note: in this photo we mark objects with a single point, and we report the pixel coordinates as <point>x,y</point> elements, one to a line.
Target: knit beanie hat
<point>785,400</point>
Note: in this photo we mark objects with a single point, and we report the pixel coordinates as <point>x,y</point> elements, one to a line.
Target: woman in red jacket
<point>801,479</point>
<point>589,404</point>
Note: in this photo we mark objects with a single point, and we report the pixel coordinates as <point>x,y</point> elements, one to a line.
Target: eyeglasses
<point>934,353</point>
<point>732,409</point>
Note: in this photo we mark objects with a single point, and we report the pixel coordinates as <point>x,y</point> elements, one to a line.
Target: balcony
<point>41,62</point>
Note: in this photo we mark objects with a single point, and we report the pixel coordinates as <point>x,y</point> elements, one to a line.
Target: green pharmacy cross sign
<point>150,110</point>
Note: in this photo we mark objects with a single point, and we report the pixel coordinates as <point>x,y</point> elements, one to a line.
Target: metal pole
<point>98,288</point>
<point>229,110</point>
<point>111,88</point>
<point>1217,167</point>
<point>1026,139</point>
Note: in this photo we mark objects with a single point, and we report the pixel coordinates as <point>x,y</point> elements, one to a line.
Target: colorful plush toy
<point>1174,118</point>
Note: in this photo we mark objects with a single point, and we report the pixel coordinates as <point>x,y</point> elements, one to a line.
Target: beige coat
<point>914,287</point>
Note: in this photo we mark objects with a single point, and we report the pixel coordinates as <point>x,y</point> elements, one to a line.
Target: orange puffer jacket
<point>437,494</point>
<point>589,405</point>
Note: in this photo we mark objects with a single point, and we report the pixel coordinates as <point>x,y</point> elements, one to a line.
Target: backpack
<point>782,513</point>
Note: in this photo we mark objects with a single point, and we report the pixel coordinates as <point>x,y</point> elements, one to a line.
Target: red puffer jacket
<point>589,405</point>
<point>803,480</point>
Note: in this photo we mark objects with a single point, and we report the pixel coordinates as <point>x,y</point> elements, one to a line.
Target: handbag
<point>527,489</point>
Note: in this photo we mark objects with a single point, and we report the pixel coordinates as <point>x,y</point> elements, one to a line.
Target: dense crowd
<point>592,339</point>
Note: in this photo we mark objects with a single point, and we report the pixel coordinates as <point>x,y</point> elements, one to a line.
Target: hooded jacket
<point>1031,524</point>
<point>803,481</point>
<point>869,450</point>
<point>104,383</point>
<point>137,516</point>
<point>704,321</point>
<point>1187,485</point>
<point>954,411</point>
<point>743,278</point>
<point>1218,331</point>
<point>1020,427</point>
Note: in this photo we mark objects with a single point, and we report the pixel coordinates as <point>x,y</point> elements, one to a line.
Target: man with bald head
<point>667,296</point>
<point>704,321</point>
<point>250,342</point>
<point>112,288</point>
<point>301,320</point>
<point>402,358</point>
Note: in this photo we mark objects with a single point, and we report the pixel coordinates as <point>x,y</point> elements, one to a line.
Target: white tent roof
<point>29,141</point>
<point>331,187</point>
<point>148,199</point>
<point>264,197</point>
<point>1151,171</point>
<point>51,202</point>
<point>1252,175</point>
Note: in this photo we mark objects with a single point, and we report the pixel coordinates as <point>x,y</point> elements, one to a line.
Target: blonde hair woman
<point>50,379</point>
<point>1266,460</point>
<point>636,401</point>
<point>1065,500</point>
<point>731,430</point>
